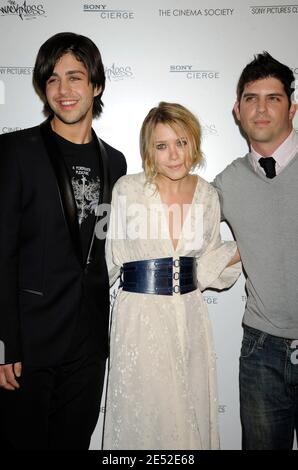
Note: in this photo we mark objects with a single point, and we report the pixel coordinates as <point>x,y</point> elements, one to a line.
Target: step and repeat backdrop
<point>187,51</point>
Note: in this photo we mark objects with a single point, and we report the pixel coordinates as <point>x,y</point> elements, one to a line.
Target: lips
<point>175,167</point>
<point>262,122</point>
<point>67,104</point>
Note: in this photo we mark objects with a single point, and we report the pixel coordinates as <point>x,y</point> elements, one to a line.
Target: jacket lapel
<point>67,199</point>
<point>105,192</point>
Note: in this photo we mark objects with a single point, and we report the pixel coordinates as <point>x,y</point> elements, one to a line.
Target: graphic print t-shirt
<point>82,161</point>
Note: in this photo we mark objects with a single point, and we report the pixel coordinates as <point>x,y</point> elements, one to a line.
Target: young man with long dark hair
<point>54,300</point>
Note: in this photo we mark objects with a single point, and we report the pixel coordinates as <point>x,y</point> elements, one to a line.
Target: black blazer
<point>43,278</point>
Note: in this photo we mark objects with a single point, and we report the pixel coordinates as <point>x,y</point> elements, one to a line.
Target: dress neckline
<point>174,249</point>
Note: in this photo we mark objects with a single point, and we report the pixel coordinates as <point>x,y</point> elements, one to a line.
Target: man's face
<point>264,113</point>
<point>69,92</point>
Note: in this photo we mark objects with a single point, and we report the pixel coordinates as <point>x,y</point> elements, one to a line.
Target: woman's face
<point>171,152</point>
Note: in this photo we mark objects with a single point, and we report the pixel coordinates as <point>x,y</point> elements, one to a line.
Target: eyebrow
<point>69,72</point>
<point>166,140</point>
<point>258,94</point>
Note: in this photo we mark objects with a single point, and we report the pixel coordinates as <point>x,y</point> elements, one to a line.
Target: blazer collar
<point>68,203</point>
<point>67,199</point>
<point>106,188</point>
<point>104,198</point>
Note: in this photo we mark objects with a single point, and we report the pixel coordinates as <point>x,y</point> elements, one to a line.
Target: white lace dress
<point>161,391</point>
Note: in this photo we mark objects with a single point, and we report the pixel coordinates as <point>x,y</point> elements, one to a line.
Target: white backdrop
<point>187,51</point>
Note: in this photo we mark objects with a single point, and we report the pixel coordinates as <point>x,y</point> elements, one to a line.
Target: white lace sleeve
<point>211,266</point>
<point>113,267</point>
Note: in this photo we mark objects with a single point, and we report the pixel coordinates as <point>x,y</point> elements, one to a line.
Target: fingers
<point>18,369</point>
<point>3,382</point>
<point>7,377</point>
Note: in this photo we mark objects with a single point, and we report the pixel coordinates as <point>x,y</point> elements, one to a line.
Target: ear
<point>237,110</point>
<point>97,90</point>
<point>292,110</point>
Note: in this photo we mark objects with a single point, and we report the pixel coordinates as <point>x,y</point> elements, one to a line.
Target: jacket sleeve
<point>123,166</point>
<point>10,204</point>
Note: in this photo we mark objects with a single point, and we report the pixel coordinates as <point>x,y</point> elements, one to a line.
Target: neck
<point>77,133</point>
<point>266,149</point>
<point>166,185</point>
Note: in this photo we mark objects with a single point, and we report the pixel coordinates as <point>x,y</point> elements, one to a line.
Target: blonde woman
<point>164,241</point>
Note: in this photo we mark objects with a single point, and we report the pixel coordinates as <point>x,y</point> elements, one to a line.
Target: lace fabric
<point>162,391</point>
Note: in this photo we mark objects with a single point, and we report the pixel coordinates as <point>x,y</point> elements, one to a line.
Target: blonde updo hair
<point>184,124</point>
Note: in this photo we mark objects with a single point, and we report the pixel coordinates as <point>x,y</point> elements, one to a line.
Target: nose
<point>261,104</point>
<point>174,154</point>
<point>63,87</point>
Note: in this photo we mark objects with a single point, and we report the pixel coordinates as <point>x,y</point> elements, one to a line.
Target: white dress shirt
<point>282,155</point>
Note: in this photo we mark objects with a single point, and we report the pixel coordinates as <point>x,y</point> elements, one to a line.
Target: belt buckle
<point>176,276</point>
<point>176,289</point>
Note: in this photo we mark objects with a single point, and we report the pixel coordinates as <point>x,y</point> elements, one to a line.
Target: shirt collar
<point>282,155</point>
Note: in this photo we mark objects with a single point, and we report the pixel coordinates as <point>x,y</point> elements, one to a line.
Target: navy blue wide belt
<point>158,276</point>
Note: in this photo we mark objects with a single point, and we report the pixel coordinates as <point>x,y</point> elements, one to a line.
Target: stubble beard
<point>70,120</point>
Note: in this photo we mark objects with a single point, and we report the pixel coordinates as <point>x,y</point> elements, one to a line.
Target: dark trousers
<point>55,408</point>
<point>268,391</point>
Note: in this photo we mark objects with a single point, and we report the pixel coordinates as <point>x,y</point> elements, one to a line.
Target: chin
<point>68,120</point>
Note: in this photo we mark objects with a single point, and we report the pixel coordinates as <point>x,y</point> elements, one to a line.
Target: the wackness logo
<point>106,13</point>
<point>187,71</point>
<point>24,10</point>
<point>273,9</point>
<point>197,12</point>
<point>4,70</point>
<point>117,73</point>
<point>209,130</point>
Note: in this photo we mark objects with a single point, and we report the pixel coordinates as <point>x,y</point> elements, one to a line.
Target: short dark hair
<point>84,50</point>
<point>264,66</point>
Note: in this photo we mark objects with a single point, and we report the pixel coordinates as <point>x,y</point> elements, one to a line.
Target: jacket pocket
<point>247,347</point>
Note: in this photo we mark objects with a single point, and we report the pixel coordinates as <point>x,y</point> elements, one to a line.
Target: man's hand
<point>236,258</point>
<point>8,374</point>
